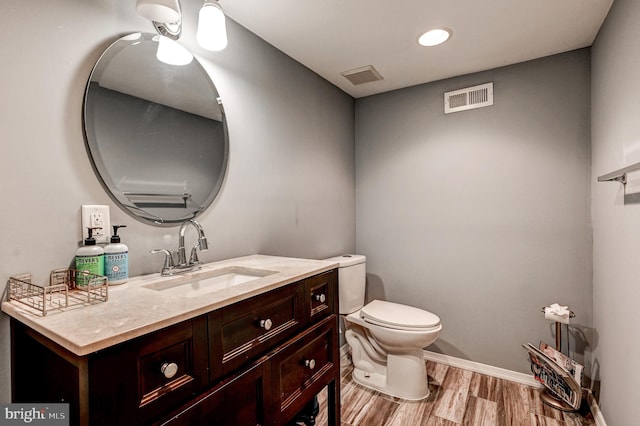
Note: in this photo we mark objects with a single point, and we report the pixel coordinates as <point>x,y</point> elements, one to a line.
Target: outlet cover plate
<point>94,215</point>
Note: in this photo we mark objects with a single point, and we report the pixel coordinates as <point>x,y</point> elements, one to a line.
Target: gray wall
<point>482,216</point>
<point>616,218</point>
<point>290,183</point>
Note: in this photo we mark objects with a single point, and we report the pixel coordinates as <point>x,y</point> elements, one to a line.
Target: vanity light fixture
<point>212,28</point>
<point>435,37</point>
<point>166,16</point>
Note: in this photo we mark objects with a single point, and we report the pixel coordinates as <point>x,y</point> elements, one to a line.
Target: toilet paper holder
<point>558,332</point>
<point>548,397</point>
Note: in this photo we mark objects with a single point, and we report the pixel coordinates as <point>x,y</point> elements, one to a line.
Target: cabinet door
<point>138,381</point>
<point>237,401</point>
<point>303,367</point>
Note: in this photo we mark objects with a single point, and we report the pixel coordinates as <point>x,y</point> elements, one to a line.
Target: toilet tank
<point>351,281</point>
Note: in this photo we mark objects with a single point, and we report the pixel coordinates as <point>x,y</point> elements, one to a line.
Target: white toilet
<point>386,338</point>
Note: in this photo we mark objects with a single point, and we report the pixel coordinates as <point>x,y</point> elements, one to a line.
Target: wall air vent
<point>468,98</point>
<point>362,75</point>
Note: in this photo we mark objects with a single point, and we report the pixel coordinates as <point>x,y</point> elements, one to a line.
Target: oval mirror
<point>156,133</point>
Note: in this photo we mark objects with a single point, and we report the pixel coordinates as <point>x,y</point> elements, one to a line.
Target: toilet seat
<point>398,317</point>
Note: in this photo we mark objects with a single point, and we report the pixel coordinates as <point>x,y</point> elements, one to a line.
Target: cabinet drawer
<point>320,291</point>
<point>172,366</point>
<point>303,367</point>
<point>245,330</point>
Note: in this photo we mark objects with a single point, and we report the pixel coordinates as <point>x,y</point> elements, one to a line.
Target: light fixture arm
<point>166,16</point>
<point>172,30</point>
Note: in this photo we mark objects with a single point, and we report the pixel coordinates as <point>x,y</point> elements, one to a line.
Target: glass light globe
<point>212,28</point>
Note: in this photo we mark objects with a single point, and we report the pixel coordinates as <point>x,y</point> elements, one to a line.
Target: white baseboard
<point>488,370</point>
<point>498,372</point>
<point>595,410</point>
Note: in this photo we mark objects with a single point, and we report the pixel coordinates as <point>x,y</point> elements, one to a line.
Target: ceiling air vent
<point>468,98</point>
<point>362,75</point>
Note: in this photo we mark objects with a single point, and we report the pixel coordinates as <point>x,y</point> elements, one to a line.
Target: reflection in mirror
<point>156,133</point>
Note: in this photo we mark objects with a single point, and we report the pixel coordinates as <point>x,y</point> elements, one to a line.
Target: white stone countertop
<point>133,310</point>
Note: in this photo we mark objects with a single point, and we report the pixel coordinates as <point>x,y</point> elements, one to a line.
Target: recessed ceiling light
<point>435,37</point>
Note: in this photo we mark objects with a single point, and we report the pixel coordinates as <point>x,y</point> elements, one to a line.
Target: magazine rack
<point>561,375</point>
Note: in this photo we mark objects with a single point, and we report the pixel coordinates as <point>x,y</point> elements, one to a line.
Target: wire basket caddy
<point>67,287</point>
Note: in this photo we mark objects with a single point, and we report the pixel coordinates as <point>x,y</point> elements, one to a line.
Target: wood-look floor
<point>458,397</point>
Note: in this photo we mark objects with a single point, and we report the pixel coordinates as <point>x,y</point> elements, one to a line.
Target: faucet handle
<point>168,260</point>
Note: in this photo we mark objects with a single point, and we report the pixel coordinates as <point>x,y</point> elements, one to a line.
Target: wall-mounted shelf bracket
<point>619,175</point>
<point>619,178</point>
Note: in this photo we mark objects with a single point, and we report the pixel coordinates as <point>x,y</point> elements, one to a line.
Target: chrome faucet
<point>169,267</point>
<point>202,243</point>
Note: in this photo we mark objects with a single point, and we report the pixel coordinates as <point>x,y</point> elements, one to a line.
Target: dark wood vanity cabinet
<point>255,362</point>
<point>126,384</point>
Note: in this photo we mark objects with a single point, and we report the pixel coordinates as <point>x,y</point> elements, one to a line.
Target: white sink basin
<point>204,282</point>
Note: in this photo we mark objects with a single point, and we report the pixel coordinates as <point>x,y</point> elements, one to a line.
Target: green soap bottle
<point>89,259</point>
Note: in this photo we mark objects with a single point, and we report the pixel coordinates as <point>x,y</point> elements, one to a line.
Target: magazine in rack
<point>563,361</point>
<point>557,372</point>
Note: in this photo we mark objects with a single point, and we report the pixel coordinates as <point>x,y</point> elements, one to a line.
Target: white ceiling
<point>333,36</point>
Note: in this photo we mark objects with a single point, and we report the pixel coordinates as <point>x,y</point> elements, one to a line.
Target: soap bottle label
<point>88,264</point>
<point>116,266</point>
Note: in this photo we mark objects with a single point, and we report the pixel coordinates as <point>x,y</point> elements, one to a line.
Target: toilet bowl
<point>386,338</point>
<point>386,341</point>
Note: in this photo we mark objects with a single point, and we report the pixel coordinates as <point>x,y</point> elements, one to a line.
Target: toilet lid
<point>395,315</point>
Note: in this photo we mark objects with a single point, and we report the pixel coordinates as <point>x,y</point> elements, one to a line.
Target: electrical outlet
<point>96,216</point>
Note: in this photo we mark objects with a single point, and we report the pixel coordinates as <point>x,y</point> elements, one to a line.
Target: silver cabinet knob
<point>169,369</point>
<point>310,363</point>
<point>321,297</point>
<point>266,324</point>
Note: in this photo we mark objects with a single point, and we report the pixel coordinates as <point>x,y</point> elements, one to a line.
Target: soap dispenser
<point>116,259</point>
<point>89,259</point>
